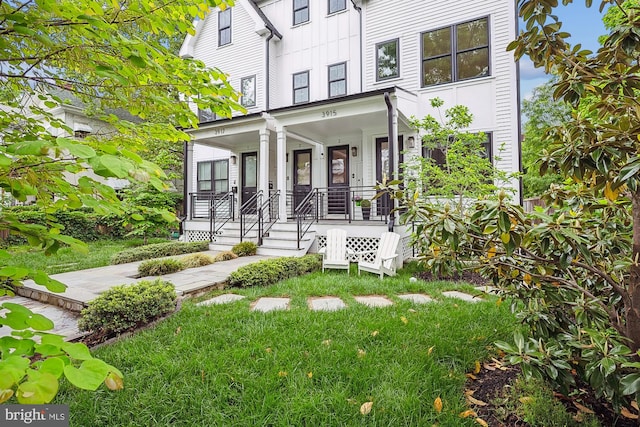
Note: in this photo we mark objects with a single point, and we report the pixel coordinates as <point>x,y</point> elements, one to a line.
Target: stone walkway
<point>331,303</point>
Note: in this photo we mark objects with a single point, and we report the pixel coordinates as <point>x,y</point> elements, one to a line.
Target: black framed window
<point>206,115</point>
<point>300,11</point>
<point>224,27</point>
<point>301,87</point>
<point>213,175</point>
<point>387,60</point>
<point>455,53</point>
<point>338,79</point>
<point>248,90</point>
<point>337,5</point>
<point>438,156</point>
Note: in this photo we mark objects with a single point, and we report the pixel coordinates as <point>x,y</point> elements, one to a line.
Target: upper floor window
<point>206,115</point>
<point>337,6</point>
<point>454,53</point>
<point>300,11</point>
<point>213,176</point>
<point>301,87</point>
<point>224,27</point>
<point>338,79</point>
<point>387,63</point>
<point>437,152</point>
<point>248,90</point>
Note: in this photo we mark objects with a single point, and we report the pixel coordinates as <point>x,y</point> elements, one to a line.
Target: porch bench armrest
<point>384,258</point>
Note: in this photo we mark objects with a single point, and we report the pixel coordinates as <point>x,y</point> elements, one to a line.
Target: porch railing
<point>249,218</point>
<point>306,213</point>
<point>221,212</point>
<point>268,214</point>
<point>344,203</point>
<point>202,202</point>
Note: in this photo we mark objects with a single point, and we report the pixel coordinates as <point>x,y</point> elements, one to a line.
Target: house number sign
<point>218,131</point>
<point>329,113</point>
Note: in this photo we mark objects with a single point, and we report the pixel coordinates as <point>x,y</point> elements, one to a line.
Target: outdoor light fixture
<point>354,151</point>
<point>411,142</point>
<point>233,159</point>
<point>287,156</point>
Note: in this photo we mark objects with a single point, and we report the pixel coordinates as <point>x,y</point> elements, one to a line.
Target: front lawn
<point>228,366</point>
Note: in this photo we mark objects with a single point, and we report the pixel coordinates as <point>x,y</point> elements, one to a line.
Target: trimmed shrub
<point>158,250</point>
<point>158,267</point>
<point>245,248</point>
<point>126,307</point>
<point>197,260</point>
<point>225,256</point>
<point>270,271</point>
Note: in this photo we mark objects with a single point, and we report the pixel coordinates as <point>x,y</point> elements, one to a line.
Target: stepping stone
<point>374,301</point>
<point>269,304</point>
<point>416,298</point>
<point>222,299</point>
<point>326,304</point>
<point>462,296</point>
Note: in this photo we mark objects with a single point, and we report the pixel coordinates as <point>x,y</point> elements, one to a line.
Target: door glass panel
<point>251,171</point>
<point>384,160</point>
<point>303,169</point>
<point>338,167</point>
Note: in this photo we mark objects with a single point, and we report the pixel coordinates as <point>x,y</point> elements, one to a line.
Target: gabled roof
<point>267,22</point>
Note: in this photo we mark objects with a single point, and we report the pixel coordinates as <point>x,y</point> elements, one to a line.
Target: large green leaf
<point>78,150</point>
<point>42,388</point>
<point>76,351</point>
<point>90,374</point>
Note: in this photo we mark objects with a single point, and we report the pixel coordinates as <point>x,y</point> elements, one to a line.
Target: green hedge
<point>245,249</point>
<point>197,260</point>
<point>125,307</point>
<point>158,250</point>
<point>158,267</point>
<point>270,271</point>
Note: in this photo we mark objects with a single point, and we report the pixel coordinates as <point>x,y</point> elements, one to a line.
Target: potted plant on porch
<point>365,205</point>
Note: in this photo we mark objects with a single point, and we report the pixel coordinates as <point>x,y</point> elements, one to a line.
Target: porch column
<point>281,171</point>
<point>263,174</point>
<point>188,178</point>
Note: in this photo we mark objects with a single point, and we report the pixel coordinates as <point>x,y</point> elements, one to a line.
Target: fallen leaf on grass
<point>361,353</point>
<point>437,404</point>
<point>310,374</point>
<point>627,414</point>
<point>475,401</point>
<point>411,310</point>
<point>178,330</point>
<point>526,400</point>
<point>268,349</point>
<point>365,408</point>
<point>488,367</point>
<point>430,351</point>
<point>468,413</point>
<point>482,422</point>
<point>477,368</point>
<point>326,342</point>
<point>282,374</point>
<point>583,408</point>
<point>374,333</point>
<point>404,320</point>
<point>469,392</point>
<point>471,376</point>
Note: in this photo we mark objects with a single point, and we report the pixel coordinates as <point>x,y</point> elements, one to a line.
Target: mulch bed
<point>466,276</point>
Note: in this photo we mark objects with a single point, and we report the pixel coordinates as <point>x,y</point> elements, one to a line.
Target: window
<point>337,6</point>
<point>248,90</point>
<point>437,153</point>
<point>301,87</point>
<point>338,79</point>
<point>206,115</point>
<point>387,65</point>
<point>224,27</point>
<point>459,52</point>
<point>213,176</point>
<point>300,11</point>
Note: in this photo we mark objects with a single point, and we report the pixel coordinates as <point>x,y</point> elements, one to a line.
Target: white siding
<point>243,57</point>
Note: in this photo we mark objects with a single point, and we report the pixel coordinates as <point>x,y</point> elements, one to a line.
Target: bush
<point>245,248</point>
<point>270,271</point>
<point>158,267</point>
<point>225,256</point>
<point>158,250</point>
<point>197,260</point>
<point>126,307</point>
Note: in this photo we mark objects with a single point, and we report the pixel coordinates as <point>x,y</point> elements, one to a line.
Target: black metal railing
<point>221,212</point>
<point>249,218</point>
<point>268,214</point>
<point>201,203</point>
<point>306,213</point>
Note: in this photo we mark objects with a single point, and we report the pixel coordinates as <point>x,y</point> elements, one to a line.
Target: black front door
<point>302,173</point>
<point>338,197</point>
<point>249,179</point>
<point>383,204</point>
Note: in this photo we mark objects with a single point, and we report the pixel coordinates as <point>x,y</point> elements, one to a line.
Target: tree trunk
<point>633,311</point>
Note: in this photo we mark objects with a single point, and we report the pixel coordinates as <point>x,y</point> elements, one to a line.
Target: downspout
<point>392,143</point>
<point>185,193</point>
<point>268,66</point>
<point>359,9</point>
<point>520,167</point>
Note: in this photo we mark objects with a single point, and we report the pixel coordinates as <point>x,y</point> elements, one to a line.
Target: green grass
<point>227,366</point>
<point>98,255</point>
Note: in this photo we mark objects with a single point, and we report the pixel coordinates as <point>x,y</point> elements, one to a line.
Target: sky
<point>585,26</point>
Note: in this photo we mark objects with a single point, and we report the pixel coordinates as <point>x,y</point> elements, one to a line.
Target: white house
<point>327,85</point>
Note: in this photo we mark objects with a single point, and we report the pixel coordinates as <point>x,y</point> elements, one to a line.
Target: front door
<point>383,204</point>
<point>249,179</point>
<point>301,175</point>
<point>338,197</point>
